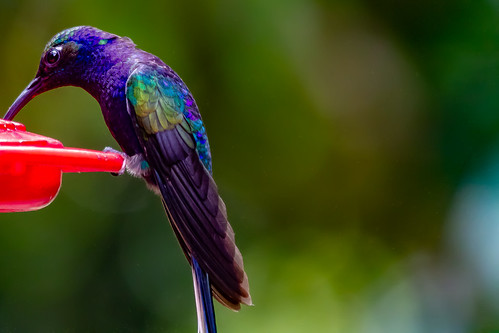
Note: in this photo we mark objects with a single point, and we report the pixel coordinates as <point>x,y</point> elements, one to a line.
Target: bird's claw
<point>125,157</point>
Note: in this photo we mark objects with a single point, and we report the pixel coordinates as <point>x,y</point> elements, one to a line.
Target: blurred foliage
<point>355,145</point>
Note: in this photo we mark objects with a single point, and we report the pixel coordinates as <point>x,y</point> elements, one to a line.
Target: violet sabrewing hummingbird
<point>155,120</point>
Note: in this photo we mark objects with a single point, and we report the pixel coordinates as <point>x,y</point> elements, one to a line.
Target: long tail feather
<point>202,286</point>
<point>204,301</point>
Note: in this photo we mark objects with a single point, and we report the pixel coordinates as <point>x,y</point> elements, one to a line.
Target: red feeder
<point>31,167</point>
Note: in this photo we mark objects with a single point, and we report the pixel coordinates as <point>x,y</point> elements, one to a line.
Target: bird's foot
<point>125,157</point>
<point>135,165</point>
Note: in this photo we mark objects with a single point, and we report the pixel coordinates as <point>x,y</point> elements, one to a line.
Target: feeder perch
<point>31,167</point>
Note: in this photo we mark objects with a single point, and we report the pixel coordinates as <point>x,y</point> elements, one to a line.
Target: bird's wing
<point>175,144</point>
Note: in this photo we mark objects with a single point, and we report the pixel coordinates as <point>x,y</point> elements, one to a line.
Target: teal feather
<point>162,103</point>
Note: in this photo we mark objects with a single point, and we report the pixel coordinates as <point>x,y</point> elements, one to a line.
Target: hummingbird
<point>154,118</point>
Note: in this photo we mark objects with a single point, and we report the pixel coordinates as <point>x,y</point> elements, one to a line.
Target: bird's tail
<point>204,301</point>
<point>202,286</point>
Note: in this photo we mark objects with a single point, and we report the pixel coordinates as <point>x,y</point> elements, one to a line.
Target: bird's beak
<point>33,89</point>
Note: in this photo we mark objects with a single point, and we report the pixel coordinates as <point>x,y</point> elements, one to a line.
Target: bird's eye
<point>52,57</point>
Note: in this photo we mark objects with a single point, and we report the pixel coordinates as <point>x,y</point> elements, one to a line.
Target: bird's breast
<point>119,122</point>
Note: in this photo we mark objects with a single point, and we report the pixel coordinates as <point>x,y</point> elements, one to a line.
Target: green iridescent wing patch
<point>157,109</point>
<point>162,103</point>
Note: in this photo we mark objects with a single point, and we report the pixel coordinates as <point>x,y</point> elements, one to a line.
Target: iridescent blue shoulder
<point>161,101</point>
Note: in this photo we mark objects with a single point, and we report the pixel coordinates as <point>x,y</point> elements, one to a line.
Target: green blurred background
<point>356,145</point>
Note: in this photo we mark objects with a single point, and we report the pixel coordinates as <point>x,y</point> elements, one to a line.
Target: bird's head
<point>69,57</point>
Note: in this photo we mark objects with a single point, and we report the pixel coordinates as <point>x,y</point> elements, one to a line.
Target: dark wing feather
<point>190,196</point>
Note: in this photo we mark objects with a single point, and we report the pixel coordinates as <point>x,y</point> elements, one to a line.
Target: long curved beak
<point>31,91</point>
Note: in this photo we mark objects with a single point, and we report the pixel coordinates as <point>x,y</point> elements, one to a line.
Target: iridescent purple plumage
<point>154,118</point>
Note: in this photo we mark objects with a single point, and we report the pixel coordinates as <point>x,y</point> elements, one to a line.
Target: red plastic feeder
<point>31,167</point>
